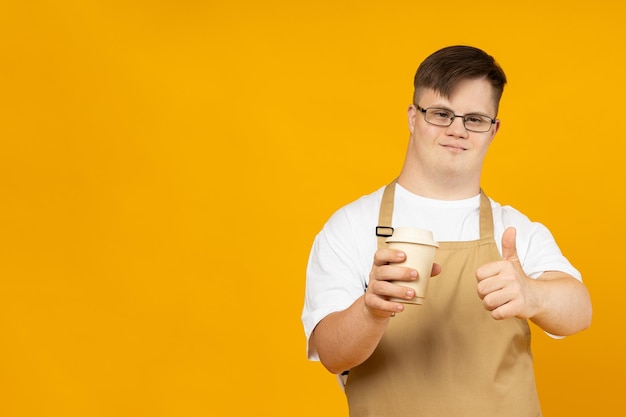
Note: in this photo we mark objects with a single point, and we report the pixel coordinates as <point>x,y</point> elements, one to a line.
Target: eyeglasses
<point>444,118</point>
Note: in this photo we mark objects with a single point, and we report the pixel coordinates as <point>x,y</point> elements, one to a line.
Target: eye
<point>476,119</point>
<point>441,114</point>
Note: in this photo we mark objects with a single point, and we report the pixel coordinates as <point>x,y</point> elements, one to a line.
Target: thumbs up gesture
<point>502,285</point>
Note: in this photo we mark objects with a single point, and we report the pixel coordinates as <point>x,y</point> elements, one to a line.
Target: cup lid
<point>412,235</point>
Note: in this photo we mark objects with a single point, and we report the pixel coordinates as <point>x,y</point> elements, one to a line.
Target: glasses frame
<point>454,116</point>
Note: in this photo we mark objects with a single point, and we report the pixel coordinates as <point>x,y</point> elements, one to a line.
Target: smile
<point>454,147</point>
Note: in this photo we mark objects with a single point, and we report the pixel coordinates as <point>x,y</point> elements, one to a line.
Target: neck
<point>439,186</point>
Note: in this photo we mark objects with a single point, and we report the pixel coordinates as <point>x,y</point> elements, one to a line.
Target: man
<point>466,350</point>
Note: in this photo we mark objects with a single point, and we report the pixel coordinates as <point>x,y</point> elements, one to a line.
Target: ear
<point>412,114</point>
<point>495,129</point>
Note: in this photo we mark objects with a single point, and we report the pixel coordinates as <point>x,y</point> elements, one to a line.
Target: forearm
<point>564,304</point>
<point>347,338</point>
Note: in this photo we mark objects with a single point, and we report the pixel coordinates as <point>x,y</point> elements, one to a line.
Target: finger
<point>385,256</point>
<point>390,272</point>
<point>436,270</point>
<point>387,289</point>
<point>504,311</point>
<point>382,304</point>
<point>488,270</point>
<point>496,300</point>
<point>509,248</point>
<point>488,286</point>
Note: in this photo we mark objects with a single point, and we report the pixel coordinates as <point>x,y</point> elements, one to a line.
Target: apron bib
<point>448,357</point>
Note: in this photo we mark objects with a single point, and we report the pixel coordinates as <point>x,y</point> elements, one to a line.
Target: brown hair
<point>444,69</point>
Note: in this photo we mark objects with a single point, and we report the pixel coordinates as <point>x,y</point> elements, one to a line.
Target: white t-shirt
<point>343,252</point>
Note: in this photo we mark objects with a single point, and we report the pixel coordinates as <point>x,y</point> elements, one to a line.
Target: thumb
<point>509,249</point>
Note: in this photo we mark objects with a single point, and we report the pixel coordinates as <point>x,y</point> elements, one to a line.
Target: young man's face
<point>453,151</point>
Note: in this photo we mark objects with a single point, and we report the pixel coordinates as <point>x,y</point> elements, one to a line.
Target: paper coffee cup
<point>419,247</point>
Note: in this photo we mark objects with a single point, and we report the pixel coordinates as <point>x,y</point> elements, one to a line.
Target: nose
<point>457,128</point>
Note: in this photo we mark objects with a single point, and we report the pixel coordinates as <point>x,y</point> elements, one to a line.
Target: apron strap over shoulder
<point>486,217</point>
<point>384,229</point>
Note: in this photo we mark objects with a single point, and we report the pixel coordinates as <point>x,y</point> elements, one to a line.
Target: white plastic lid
<point>412,235</point>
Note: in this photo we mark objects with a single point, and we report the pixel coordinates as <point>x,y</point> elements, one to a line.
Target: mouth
<point>454,147</point>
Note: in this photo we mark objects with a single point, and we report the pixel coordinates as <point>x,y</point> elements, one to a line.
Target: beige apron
<point>448,357</point>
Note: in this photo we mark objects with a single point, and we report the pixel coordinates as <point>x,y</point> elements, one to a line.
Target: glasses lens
<point>477,122</point>
<point>439,117</point>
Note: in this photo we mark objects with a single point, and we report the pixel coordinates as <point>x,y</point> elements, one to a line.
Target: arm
<point>347,338</point>
<point>564,305</point>
<point>556,301</point>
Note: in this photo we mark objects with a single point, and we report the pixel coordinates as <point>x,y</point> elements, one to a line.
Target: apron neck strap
<point>486,216</point>
<point>384,229</point>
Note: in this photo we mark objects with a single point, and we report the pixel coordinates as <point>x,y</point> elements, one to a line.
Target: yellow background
<point>165,165</point>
